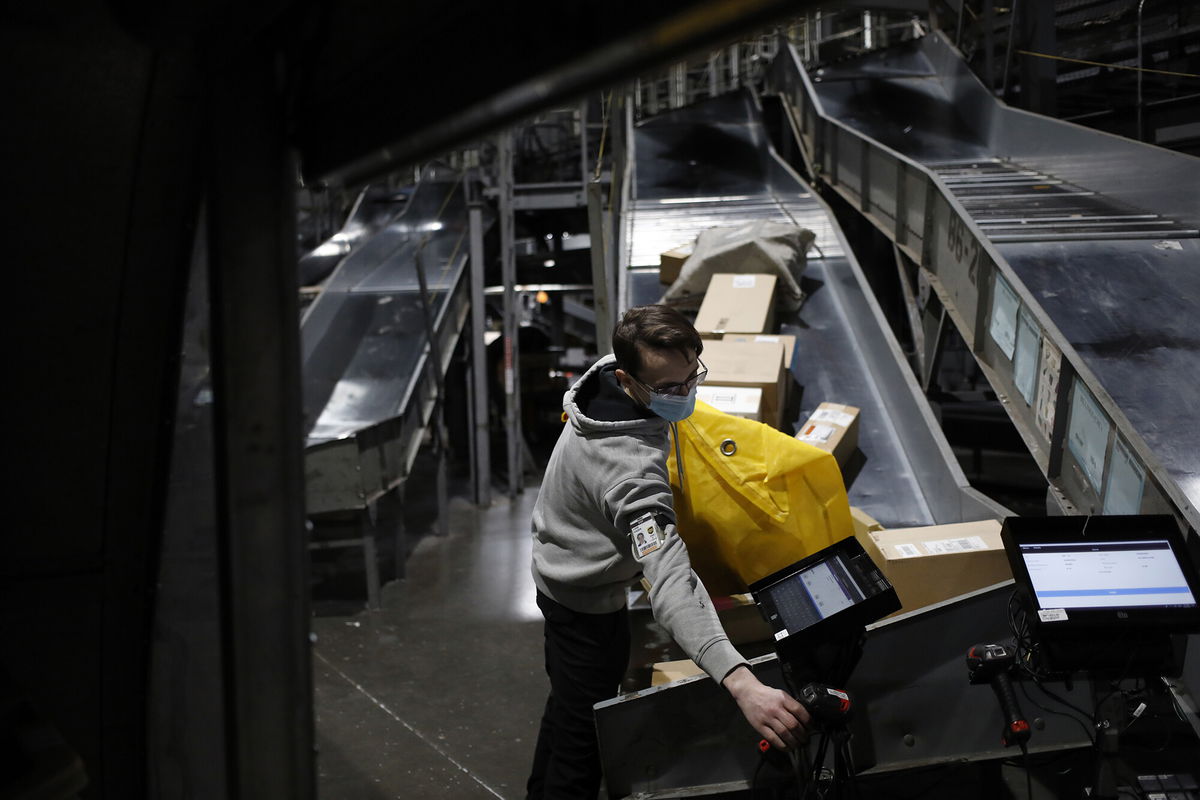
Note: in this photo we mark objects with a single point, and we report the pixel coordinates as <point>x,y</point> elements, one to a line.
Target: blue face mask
<point>673,407</point>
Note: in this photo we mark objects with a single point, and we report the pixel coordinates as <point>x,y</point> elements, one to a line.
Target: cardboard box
<point>752,365</point>
<point>786,339</point>
<point>670,263</point>
<point>863,523</point>
<point>833,427</point>
<point>738,401</point>
<point>937,562</point>
<point>669,671</point>
<point>737,304</point>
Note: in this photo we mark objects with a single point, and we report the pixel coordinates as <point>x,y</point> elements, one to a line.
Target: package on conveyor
<point>787,340</point>
<point>737,304</point>
<point>933,563</point>
<point>737,401</point>
<point>671,262</point>
<point>833,427</point>
<point>750,365</point>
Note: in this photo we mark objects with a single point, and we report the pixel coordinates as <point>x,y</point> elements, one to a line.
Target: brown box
<point>670,263</point>
<point>737,401</point>
<point>833,427</point>
<point>863,523</point>
<point>737,304</point>
<point>936,562</point>
<point>669,671</point>
<point>786,339</point>
<point>752,365</point>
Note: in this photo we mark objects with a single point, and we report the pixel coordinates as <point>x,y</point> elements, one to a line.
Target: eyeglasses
<point>677,388</point>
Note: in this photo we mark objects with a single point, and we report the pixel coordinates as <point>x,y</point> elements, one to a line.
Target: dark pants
<point>586,657</point>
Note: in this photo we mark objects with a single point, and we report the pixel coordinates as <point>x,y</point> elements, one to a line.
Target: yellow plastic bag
<point>754,500</point>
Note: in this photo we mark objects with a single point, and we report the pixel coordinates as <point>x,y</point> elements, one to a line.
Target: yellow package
<point>754,500</point>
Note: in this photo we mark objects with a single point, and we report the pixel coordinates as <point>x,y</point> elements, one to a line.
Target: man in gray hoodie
<point>603,516</point>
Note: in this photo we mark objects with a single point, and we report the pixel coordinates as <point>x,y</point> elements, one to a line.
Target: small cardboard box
<point>738,401</point>
<point>752,365</point>
<point>833,427</point>
<point>669,671</point>
<point>936,562</point>
<point>670,263</point>
<point>786,339</point>
<point>737,304</point>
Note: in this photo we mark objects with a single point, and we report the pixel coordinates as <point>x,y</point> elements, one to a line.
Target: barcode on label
<point>941,546</point>
<point>743,281</point>
<point>907,551</point>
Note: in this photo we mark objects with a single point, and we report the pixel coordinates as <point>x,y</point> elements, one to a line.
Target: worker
<point>603,516</point>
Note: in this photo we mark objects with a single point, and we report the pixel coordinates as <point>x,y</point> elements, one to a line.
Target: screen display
<point>814,594</point>
<point>1112,574</point>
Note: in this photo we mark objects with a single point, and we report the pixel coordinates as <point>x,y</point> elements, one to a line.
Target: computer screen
<point>837,585</point>
<point>1116,572</point>
<point>1106,574</point>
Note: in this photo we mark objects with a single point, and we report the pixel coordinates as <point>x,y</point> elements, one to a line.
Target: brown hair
<point>657,327</point>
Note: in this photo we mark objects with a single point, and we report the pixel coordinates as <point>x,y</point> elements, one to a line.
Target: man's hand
<point>776,715</point>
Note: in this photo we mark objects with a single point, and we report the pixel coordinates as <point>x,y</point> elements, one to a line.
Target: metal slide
<point>1067,259</point>
<point>369,374</point>
<point>712,164</point>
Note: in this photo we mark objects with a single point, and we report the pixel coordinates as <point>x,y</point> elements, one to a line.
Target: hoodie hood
<point>641,421</point>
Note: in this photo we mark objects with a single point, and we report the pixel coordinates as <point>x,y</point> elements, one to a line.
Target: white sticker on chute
<point>1052,614</point>
<point>780,634</point>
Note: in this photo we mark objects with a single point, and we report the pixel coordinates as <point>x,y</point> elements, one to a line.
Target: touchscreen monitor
<point>1118,571</point>
<point>832,591</point>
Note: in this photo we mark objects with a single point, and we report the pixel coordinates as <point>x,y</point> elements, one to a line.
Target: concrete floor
<point>438,694</point>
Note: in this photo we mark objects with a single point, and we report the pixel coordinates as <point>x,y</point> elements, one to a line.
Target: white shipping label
<point>832,415</point>
<point>774,339</point>
<point>937,547</point>
<point>817,433</point>
<point>744,281</point>
<point>1047,386</point>
<point>647,536</point>
<point>906,551</point>
<point>1052,614</point>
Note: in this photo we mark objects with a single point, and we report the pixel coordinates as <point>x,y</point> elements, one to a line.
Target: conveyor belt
<point>712,164</point>
<point>369,380</point>
<point>1085,241</point>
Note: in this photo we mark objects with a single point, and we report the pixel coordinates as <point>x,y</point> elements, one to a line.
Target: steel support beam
<point>257,436</point>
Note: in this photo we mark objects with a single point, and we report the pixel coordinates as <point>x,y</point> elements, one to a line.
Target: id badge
<point>647,536</point>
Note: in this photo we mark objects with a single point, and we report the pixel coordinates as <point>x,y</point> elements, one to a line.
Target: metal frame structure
<point>933,207</point>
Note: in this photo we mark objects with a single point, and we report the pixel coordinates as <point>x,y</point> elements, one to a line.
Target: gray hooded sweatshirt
<point>604,515</point>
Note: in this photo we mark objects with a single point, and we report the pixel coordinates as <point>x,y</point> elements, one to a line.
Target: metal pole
<point>258,438</point>
<point>436,417</point>
<point>989,45</point>
<point>1139,73</point>
<point>482,463</point>
<point>508,272</point>
<point>1012,27</point>
<point>583,144</point>
<point>600,281</point>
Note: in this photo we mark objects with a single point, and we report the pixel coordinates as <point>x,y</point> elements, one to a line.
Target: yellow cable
<point>1110,66</point>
